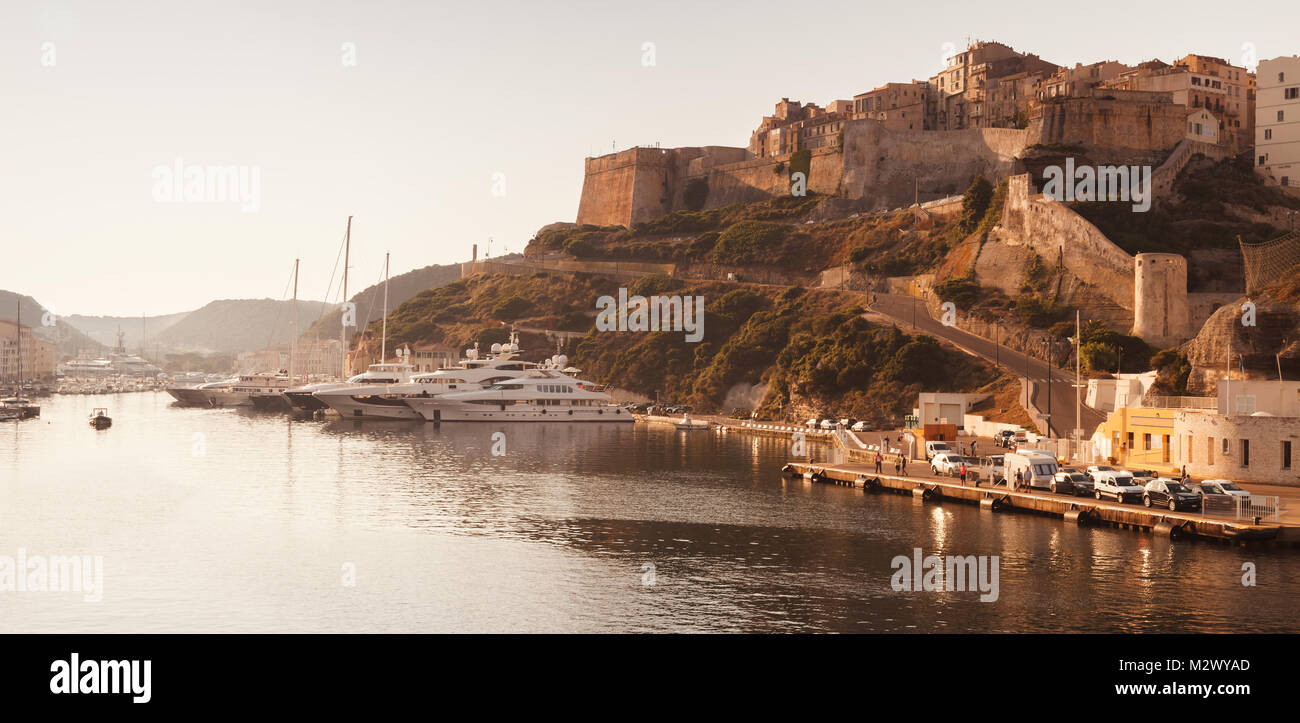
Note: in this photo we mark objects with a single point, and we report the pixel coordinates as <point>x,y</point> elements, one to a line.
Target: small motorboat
<point>7,414</point>
<point>687,424</point>
<point>99,418</point>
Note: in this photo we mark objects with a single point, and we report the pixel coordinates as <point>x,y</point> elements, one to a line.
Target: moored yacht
<point>543,395</point>
<point>198,396</point>
<point>20,408</point>
<point>304,398</point>
<point>387,401</point>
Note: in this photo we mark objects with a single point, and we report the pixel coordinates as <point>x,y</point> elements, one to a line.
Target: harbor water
<point>221,520</point>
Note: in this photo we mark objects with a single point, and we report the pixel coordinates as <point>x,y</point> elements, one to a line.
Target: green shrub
<point>749,242</point>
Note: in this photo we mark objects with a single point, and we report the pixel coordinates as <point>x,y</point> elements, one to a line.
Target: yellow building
<point>1139,437</point>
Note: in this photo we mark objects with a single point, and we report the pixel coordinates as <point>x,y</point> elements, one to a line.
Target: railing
<point>1181,402</point>
<point>1265,508</point>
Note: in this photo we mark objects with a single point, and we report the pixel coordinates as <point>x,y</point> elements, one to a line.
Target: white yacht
<point>304,398</point>
<point>542,395</point>
<point>240,391</point>
<point>198,396</point>
<point>387,401</point>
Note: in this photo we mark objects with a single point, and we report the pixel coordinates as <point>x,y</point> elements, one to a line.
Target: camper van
<point>1036,467</point>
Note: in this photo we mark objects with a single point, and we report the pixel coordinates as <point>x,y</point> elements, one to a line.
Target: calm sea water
<point>233,520</point>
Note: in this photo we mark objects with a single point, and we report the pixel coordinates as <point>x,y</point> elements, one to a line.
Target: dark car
<point>1170,493</point>
<point>1070,481</point>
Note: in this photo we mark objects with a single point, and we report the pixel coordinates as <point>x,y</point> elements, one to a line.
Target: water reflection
<point>552,535</point>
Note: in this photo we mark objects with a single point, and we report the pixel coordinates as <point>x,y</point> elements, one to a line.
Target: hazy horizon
<point>440,98</point>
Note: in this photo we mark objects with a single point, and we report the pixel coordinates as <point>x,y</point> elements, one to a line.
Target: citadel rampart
<point>1114,119</point>
<point>882,167</point>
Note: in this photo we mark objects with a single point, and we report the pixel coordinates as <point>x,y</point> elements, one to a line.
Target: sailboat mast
<point>293,342</point>
<point>18,333</point>
<point>347,251</point>
<point>383,344</point>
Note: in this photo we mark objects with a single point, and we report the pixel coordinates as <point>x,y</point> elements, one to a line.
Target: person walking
<point>903,464</point>
<point>973,444</point>
<point>1019,479</point>
<point>963,474</point>
<point>878,463</point>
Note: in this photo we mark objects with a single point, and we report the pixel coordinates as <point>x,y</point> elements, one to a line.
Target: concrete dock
<point>1073,510</point>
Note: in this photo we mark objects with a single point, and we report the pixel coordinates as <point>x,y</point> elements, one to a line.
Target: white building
<point>944,408</point>
<point>1277,120</point>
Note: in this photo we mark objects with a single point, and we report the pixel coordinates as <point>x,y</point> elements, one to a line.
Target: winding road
<point>908,312</point>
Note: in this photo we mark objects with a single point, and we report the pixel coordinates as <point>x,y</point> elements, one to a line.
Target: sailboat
<point>19,405</point>
<point>272,398</point>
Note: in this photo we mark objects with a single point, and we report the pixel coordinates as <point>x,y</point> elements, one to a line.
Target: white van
<point>1036,467</point>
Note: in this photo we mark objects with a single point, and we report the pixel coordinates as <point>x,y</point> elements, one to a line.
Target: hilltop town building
<point>1277,127</point>
<point>899,106</point>
<point>959,97</point>
<point>1200,82</point>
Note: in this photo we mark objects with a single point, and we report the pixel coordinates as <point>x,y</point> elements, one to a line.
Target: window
<point>1292,93</point>
<point>1286,180</point>
<point>1146,441</point>
<point>1189,449</point>
<point>1263,160</point>
<point>1281,115</point>
<point>1268,134</point>
<point>1245,453</point>
<point>1286,455</point>
<point>1209,450</point>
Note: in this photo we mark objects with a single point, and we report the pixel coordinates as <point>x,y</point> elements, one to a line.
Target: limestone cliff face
<point>1223,339</point>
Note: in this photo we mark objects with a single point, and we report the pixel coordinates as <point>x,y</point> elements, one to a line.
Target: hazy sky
<point>441,96</point>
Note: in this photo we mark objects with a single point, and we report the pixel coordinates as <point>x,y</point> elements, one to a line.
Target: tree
<point>975,202</point>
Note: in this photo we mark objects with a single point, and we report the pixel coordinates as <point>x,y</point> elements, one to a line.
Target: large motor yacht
<point>198,396</point>
<point>542,395</point>
<point>303,398</point>
<point>387,401</point>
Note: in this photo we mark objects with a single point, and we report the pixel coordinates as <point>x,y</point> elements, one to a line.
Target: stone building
<point>959,92</point>
<point>899,106</point>
<point>1277,124</point>
<point>1080,79</point>
<point>1198,81</point>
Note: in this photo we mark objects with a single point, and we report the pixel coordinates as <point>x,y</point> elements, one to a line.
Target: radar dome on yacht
<point>496,348</point>
<point>561,359</point>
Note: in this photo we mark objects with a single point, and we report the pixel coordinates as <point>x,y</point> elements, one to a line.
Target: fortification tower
<point>1160,313</point>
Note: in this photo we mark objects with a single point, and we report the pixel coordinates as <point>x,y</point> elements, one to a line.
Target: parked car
<point>1143,476</point>
<point>993,468</point>
<point>1093,469</point>
<point>1003,438</point>
<point>1218,487</point>
<point>1166,491</point>
<point>861,427</point>
<point>933,448</point>
<point>1072,481</point>
<point>948,464</point>
<point>812,423</point>
<point>828,424</point>
<point>1117,484</point>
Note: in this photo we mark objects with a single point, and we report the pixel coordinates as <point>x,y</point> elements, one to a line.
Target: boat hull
<point>432,411</point>
<point>373,407</point>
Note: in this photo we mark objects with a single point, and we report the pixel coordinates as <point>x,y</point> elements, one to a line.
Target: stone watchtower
<point>1160,313</point>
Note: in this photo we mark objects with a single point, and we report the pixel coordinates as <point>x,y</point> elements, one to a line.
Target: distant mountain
<point>231,326</point>
<point>370,301</point>
<point>103,329</point>
<point>67,339</point>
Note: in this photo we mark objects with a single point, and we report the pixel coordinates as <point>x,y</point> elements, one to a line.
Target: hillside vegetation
<point>812,350</point>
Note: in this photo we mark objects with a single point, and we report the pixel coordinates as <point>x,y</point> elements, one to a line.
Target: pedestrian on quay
<point>963,474</point>
<point>878,460</point>
<point>903,467</point>
<point>973,444</point>
<point>897,464</point>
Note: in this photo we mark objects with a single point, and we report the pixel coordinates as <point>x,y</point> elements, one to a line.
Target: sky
<point>437,125</point>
